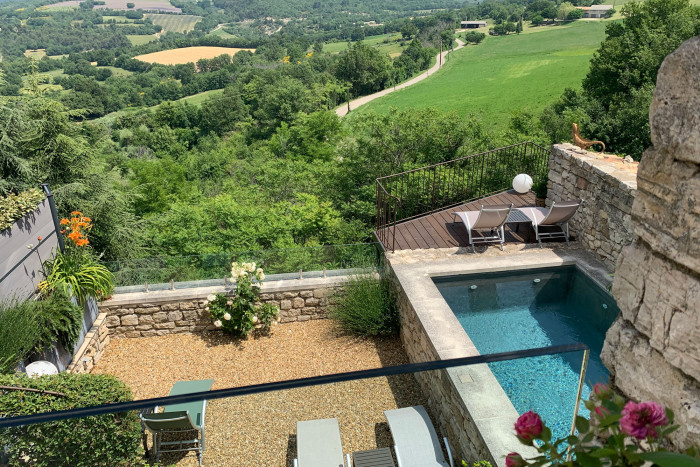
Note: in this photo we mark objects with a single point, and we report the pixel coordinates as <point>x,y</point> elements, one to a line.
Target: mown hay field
<point>174,23</point>
<point>187,54</point>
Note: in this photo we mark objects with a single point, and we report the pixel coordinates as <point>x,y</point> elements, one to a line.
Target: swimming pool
<point>536,308</point>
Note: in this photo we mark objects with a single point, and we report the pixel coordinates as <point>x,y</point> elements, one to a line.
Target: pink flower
<point>602,412</point>
<point>641,420</point>
<point>602,391</point>
<point>528,426</point>
<point>515,460</point>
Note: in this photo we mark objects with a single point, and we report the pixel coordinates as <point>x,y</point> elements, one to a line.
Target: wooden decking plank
<point>427,232</point>
<point>410,241</point>
<point>455,229</point>
<point>441,228</point>
<point>413,231</point>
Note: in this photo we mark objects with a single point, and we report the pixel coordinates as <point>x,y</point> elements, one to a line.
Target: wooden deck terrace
<point>439,230</point>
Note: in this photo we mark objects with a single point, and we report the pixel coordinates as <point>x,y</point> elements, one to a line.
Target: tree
<point>364,67</point>
<point>574,14</point>
<point>130,5</point>
<point>519,26</point>
<point>564,9</point>
<point>617,91</point>
<point>537,20</point>
<point>510,27</point>
<point>409,30</point>
<point>474,37</point>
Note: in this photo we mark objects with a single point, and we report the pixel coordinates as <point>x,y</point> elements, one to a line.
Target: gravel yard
<point>259,430</point>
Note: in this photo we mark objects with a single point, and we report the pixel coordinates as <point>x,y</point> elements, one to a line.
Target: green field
<point>140,40</point>
<point>196,99</point>
<point>117,71</point>
<point>221,33</point>
<point>118,19</point>
<point>503,74</point>
<point>386,43</point>
<point>174,23</point>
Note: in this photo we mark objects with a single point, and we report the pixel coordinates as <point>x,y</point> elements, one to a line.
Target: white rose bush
<point>241,313</point>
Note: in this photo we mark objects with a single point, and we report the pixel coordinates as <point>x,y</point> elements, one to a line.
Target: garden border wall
<point>608,185</point>
<point>159,313</point>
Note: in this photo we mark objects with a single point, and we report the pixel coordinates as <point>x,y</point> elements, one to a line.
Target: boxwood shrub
<point>105,440</point>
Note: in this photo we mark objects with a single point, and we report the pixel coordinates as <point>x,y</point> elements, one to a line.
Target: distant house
<point>595,11</point>
<point>473,24</point>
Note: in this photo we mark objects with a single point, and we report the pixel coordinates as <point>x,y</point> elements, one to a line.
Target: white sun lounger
<point>558,215</point>
<point>491,218</point>
<point>415,441</point>
<point>319,445</point>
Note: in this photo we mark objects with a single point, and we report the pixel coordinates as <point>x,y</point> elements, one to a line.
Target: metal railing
<point>418,192</point>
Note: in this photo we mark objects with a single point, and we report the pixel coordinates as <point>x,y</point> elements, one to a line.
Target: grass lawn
<point>374,41</point>
<point>221,33</point>
<point>503,74</point>
<point>198,99</point>
<point>140,40</point>
<point>37,54</point>
<point>117,71</point>
<point>118,19</point>
<point>174,23</point>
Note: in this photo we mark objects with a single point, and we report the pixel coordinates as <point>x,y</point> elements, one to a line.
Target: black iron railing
<point>422,191</point>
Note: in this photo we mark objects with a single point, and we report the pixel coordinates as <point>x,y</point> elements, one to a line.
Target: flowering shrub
<point>13,207</point>
<point>618,434</point>
<point>242,312</point>
<point>76,269</point>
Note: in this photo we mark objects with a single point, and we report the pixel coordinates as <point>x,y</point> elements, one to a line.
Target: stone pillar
<point>653,348</point>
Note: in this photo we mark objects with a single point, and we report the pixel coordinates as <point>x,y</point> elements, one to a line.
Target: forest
<point>266,163</point>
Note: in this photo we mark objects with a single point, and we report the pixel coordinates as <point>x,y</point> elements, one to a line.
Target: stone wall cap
<point>200,293</point>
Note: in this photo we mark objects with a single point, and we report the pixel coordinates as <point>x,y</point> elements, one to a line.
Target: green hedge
<point>107,440</point>
<point>13,207</point>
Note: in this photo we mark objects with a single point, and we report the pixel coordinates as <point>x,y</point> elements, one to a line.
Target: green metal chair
<point>179,419</point>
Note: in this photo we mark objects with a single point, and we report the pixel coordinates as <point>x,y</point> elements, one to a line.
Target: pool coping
<point>486,402</point>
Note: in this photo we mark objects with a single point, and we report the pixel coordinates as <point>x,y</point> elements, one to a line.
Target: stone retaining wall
<point>159,313</point>
<point>92,347</point>
<point>653,348</point>
<point>444,400</point>
<point>607,185</point>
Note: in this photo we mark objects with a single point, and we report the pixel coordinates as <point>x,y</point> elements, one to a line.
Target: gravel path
<point>343,109</point>
<point>259,430</point>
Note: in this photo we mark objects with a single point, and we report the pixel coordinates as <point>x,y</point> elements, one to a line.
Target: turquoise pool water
<point>536,308</point>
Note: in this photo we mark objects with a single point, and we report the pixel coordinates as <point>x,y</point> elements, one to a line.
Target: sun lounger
<point>491,218</point>
<point>319,445</point>
<point>415,441</point>
<point>179,419</point>
<point>558,215</point>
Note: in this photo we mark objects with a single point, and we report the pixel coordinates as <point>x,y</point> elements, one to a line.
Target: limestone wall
<point>90,351</point>
<point>607,184</point>
<point>653,348</point>
<point>159,313</point>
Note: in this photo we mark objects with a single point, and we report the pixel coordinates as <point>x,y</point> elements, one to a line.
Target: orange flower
<point>82,242</point>
<point>64,221</point>
<point>76,213</point>
<point>38,238</point>
<point>74,236</point>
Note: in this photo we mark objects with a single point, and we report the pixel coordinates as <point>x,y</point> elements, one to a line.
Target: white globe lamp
<point>41,368</point>
<point>522,183</point>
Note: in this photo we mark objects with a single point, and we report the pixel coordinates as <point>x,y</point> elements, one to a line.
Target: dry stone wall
<point>653,348</point>
<point>607,184</point>
<point>90,351</point>
<point>147,314</point>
